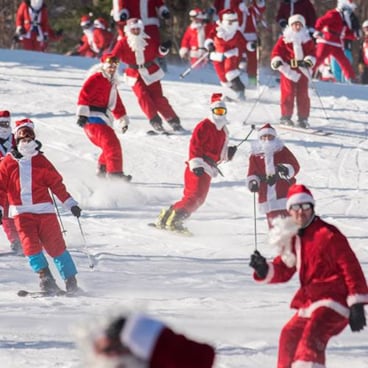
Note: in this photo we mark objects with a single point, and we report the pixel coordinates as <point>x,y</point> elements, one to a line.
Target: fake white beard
<point>27,149</point>
<point>227,32</point>
<point>220,121</point>
<point>296,37</point>
<point>5,132</point>
<point>137,43</point>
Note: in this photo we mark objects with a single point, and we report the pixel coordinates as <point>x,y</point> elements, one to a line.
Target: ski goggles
<point>301,206</point>
<point>4,124</point>
<point>219,111</point>
<point>112,60</point>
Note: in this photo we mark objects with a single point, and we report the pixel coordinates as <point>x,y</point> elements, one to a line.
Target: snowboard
<point>312,131</point>
<point>184,232</point>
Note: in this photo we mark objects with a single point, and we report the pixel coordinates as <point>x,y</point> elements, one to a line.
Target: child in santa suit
<point>208,147</point>
<point>333,289</point>
<point>293,56</point>
<point>26,179</point>
<point>140,341</point>
<point>272,169</point>
<point>7,142</point>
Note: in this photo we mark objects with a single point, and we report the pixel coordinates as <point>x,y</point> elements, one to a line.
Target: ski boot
<point>72,287</point>
<point>101,171</point>
<point>156,123</point>
<point>286,120</point>
<point>48,284</point>
<point>162,218</point>
<point>16,247</point>
<point>175,222</point>
<point>119,175</point>
<point>175,124</point>
<point>302,123</point>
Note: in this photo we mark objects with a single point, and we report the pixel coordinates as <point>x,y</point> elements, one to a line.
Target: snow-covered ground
<point>200,285</point>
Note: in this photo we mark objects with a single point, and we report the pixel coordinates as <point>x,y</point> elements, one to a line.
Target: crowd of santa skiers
<point>333,289</point>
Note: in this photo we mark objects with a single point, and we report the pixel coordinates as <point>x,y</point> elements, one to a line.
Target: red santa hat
<point>346,4</point>
<point>197,13</point>
<point>228,15</point>
<point>133,23</point>
<point>101,23</point>
<point>297,194</point>
<point>24,123</point>
<point>296,18</point>
<point>266,129</point>
<point>85,21</point>
<point>5,116</point>
<point>217,101</point>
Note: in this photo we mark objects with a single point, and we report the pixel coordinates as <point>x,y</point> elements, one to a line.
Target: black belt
<point>141,66</point>
<point>293,63</point>
<point>99,109</point>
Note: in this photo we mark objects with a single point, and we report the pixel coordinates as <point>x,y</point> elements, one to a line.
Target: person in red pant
<point>332,29</point>
<point>26,179</point>
<point>333,289</point>
<point>293,56</point>
<point>138,341</point>
<point>99,103</point>
<point>271,171</point>
<point>32,26</point>
<point>7,142</point>
<point>143,73</point>
<point>208,147</point>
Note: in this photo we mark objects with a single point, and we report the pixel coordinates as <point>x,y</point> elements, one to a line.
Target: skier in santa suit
<point>102,35</point>
<point>251,13</point>
<point>7,142</point>
<point>192,44</point>
<point>363,55</point>
<point>272,169</point>
<point>140,341</point>
<point>149,11</point>
<point>288,8</point>
<point>227,49</point>
<point>32,26</point>
<point>143,73</point>
<point>26,179</point>
<point>333,289</point>
<point>208,147</point>
<point>99,104</point>
<point>331,30</point>
<point>293,56</point>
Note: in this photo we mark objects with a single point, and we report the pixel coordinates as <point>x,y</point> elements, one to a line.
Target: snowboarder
<point>26,176</point>
<point>227,48</point>
<point>32,26</point>
<point>293,56</point>
<point>143,74</point>
<point>333,289</point>
<point>208,147</point>
<point>6,144</point>
<point>271,171</point>
<point>331,30</point>
<point>138,340</point>
<point>99,103</point>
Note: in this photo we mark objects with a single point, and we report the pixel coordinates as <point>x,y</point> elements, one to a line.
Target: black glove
<point>114,329</point>
<point>305,63</point>
<point>283,23</point>
<point>198,171</point>
<point>211,47</point>
<point>231,152</point>
<point>76,211</point>
<point>253,45</point>
<point>123,16</point>
<point>165,14</point>
<point>271,179</point>
<point>82,121</point>
<point>357,319</point>
<point>259,263</point>
<point>21,31</point>
<point>282,170</point>
<point>253,186</point>
<point>276,64</point>
<point>166,45</point>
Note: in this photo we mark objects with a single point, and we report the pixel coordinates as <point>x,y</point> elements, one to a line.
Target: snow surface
<point>202,285</point>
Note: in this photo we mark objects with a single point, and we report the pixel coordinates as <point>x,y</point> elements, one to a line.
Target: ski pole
<point>255,220</point>
<point>317,93</point>
<point>58,213</point>
<point>252,127</point>
<point>194,65</point>
<point>90,259</point>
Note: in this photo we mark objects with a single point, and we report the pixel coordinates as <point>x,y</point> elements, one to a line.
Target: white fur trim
<point>232,74</point>
<point>299,198</point>
<point>229,16</point>
<point>199,162</point>
<point>232,52</point>
<point>140,335</point>
<point>303,364</point>
<point>82,110</point>
<point>69,203</point>
<point>328,303</point>
<point>296,18</point>
<point>289,73</point>
<point>124,121</point>
<point>267,131</point>
<point>357,298</point>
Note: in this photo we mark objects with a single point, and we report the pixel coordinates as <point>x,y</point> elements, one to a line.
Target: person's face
<point>267,137</point>
<point>296,26</point>
<point>365,31</point>
<point>301,213</point>
<point>111,64</point>
<point>25,134</point>
<point>135,31</point>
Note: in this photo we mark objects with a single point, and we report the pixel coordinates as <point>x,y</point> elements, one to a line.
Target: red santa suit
<point>291,49</point>
<point>208,147</point>
<point>100,102</point>
<point>265,156</point>
<point>331,30</point>
<point>149,11</point>
<point>331,281</point>
<point>102,36</point>
<point>143,73</point>
<point>292,7</point>
<point>250,16</point>
<point>32,25</point>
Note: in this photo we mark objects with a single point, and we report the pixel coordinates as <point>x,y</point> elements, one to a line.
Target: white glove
<point>124,122</point>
